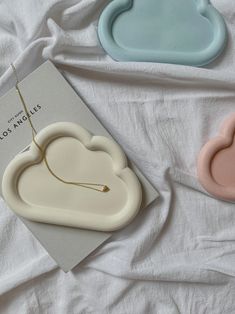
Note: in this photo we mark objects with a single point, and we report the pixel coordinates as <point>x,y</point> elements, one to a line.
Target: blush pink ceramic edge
<point>206,156</point>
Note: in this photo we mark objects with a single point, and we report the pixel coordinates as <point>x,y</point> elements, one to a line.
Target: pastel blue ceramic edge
<point>116,7</point>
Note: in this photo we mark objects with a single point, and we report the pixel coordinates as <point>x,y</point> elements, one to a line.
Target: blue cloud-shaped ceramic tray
<point>190,32</point>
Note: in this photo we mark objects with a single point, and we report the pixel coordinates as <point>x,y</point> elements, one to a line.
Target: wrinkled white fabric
<point>178,256</point>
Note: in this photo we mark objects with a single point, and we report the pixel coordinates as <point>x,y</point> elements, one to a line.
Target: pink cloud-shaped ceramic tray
<point>216,170</point>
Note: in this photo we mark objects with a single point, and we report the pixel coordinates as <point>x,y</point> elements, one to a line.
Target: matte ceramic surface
<point>216,161</point>
<point>189,32</point>
<point>74,155</point>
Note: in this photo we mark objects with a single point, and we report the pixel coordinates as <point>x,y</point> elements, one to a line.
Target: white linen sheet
<point>178,256</point>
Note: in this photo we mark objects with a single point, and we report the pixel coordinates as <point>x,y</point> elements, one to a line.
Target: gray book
<point>50,99</point>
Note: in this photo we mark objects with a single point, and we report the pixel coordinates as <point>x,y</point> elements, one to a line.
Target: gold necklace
<point>91,186</point>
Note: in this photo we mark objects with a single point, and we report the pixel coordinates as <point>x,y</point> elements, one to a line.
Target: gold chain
<point>91,186</point>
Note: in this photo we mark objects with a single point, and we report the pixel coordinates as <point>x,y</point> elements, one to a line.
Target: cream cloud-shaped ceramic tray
<point>74,155</point>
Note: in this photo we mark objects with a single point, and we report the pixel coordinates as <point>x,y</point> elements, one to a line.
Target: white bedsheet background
<point>178,256</point>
